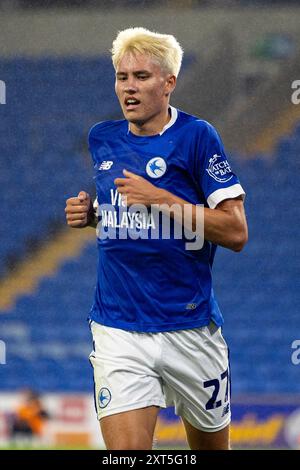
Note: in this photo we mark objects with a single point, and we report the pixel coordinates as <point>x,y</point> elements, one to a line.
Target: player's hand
<point>79,210</point>
<point>136,189</point>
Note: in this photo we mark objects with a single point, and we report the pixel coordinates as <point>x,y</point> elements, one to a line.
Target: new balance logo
<point>106,165</point>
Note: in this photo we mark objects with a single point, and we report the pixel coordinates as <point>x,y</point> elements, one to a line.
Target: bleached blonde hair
<point>163,47</point>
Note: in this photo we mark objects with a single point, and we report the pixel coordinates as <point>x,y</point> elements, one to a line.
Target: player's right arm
<point>80,212</point>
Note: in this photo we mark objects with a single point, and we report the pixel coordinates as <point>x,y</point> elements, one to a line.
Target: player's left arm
<point>229,225</point>
<point>224,225</point>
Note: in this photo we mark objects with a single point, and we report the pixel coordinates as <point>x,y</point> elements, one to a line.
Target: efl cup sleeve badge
<point>218,169</point>
<point>156,167</point>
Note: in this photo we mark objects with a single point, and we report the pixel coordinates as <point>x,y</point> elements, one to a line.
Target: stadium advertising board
<point>258,422</point>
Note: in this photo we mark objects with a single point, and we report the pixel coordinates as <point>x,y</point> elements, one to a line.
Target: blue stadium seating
<point>258,289</point>
<point>51,103</point>
<point>42,144</point>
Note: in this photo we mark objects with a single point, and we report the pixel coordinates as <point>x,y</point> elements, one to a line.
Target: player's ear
<point>170,84</point>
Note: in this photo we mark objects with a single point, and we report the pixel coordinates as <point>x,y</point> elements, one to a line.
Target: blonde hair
<point>163,47</point>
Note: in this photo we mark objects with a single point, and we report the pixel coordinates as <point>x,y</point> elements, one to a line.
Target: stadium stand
<point>41,147</point>
<point>260,294</point>
<point>46,333</point>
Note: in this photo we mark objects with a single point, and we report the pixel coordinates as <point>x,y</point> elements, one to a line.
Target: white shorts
<point>187,369</point>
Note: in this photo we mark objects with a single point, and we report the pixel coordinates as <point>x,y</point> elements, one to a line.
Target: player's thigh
<point>130,429</point>
<point>125,378</point>
<point>200,440</point>
<point>197,378</point>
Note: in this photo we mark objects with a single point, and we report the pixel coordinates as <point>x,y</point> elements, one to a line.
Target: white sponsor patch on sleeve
<point>218,169</point>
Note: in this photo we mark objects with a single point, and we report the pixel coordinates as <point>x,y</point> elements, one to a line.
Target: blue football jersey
<point>153,284</point>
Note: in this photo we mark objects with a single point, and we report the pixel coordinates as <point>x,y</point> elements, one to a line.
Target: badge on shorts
<point>104,397</point>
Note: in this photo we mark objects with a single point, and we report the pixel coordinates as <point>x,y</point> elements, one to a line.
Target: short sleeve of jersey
<point>91,140</point>
<point>91,149</point>
<point>215,176</point>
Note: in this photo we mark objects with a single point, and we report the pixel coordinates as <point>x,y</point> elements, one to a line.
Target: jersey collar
<point>174,114</point>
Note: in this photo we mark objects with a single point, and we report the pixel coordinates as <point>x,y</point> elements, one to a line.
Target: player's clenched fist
<point>136,189</point>
<point>79,210</point>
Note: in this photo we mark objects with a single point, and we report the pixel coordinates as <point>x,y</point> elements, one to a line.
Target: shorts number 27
<point>213,402</point>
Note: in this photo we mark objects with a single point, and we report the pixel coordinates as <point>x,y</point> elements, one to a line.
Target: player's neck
<point>153,126</point>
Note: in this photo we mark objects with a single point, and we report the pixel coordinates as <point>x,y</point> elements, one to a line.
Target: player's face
<point>143,88</point>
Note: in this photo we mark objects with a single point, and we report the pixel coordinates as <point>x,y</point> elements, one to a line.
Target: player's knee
<point>131,443</point>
